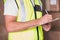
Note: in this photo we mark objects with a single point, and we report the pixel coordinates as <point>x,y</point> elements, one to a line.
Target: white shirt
<point>10,8</point>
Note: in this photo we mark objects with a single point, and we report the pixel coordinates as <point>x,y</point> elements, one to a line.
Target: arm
<point>10,21</point>
<point>12,25</point>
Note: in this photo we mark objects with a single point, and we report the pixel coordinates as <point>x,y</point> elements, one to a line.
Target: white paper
<point>53,2</point>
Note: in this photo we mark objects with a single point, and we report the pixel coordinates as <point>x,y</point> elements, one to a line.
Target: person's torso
<point>26,13</point>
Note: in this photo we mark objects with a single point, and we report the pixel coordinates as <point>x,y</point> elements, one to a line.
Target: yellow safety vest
<point>4,1</point>
<point>28,34</point>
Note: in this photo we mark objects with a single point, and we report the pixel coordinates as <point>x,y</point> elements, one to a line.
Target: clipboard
<point>56,19</point>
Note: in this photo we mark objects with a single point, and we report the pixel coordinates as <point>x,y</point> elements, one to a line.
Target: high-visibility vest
<point>25,7</point>
<point>4,1</point>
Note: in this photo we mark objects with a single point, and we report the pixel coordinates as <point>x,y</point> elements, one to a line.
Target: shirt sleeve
<point>10,8</point>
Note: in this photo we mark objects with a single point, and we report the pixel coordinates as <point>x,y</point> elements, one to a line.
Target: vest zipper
<point>35,18</point>
<point>37,26</point>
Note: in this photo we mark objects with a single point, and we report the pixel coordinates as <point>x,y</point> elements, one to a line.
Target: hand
<point>45,19</point>
<point>47,27</point>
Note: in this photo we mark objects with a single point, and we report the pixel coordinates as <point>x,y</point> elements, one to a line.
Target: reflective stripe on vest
<point>22,11</point>
<point>28,11</point>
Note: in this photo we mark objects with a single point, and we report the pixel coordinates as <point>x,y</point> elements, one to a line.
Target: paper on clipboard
<point>53,2</point>
<point>56,19</point>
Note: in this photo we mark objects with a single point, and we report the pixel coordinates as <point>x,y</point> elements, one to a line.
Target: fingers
<point>48,17</point>
<point>47,27</point>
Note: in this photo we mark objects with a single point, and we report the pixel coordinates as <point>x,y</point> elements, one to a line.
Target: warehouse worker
<point>21,21</point>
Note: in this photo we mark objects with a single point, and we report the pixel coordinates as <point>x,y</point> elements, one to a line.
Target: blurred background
<point>52,6</point>
<point>3,32</point>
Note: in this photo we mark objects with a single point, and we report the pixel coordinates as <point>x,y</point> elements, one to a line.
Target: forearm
<point>18,26</point>
<point>12,25</point>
